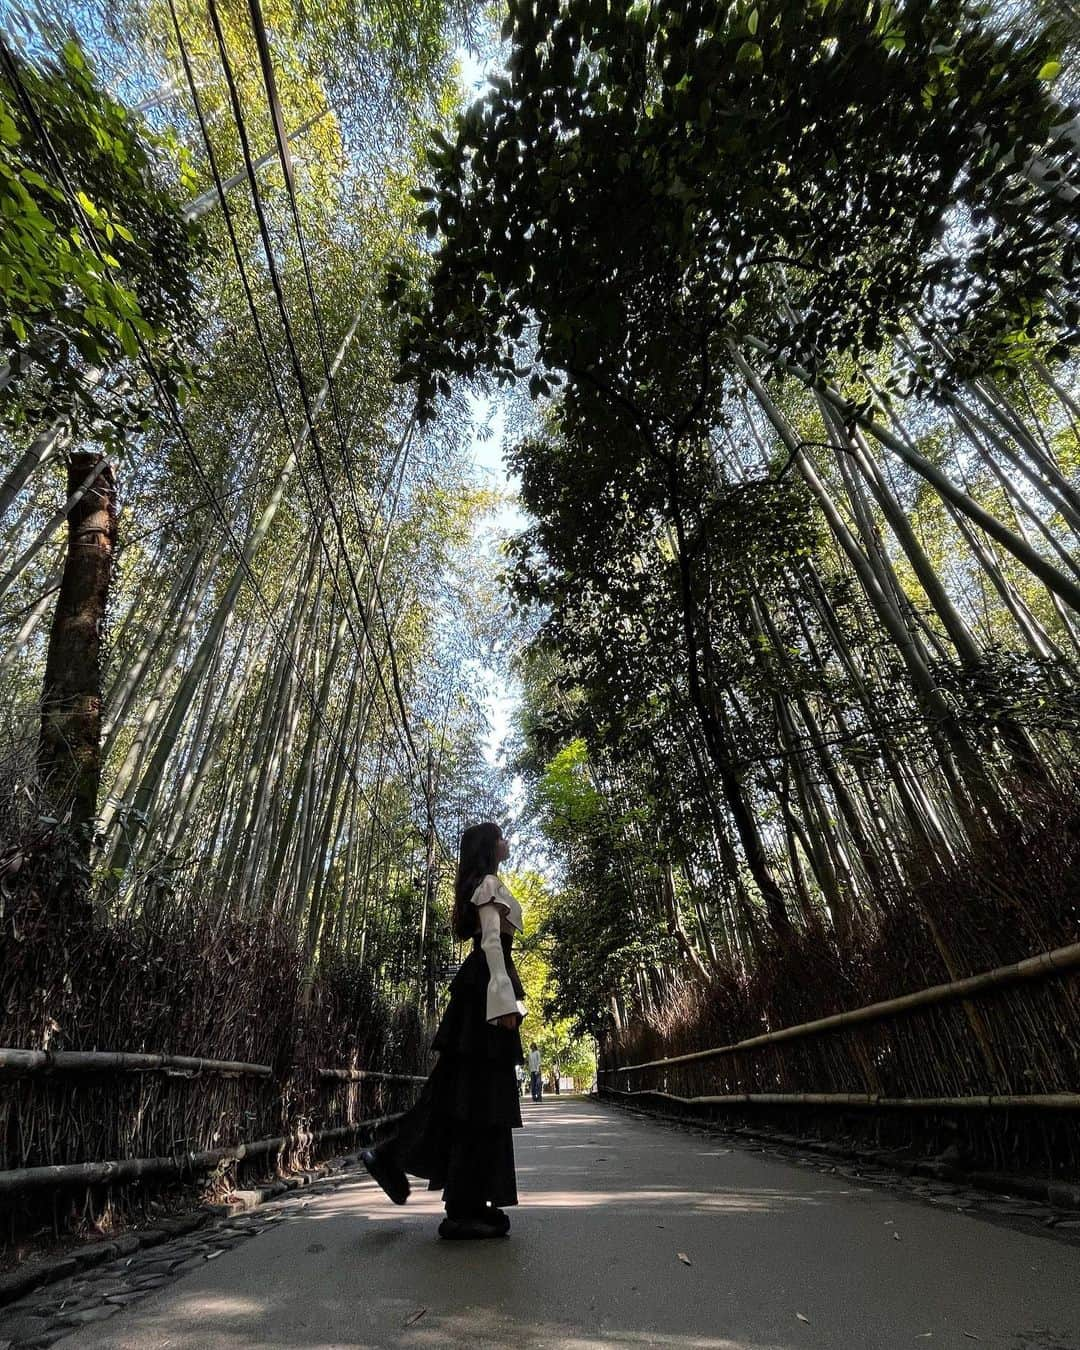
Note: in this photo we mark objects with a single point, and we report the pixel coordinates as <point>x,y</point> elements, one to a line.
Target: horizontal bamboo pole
<point>23,1179</point>
<point>1043,966</point>
<point>1047,1101</point>
<point>108,1061</point>
<point>355,1076</point>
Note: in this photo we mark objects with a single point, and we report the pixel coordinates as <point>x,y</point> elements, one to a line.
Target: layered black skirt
<point>458,1132</point>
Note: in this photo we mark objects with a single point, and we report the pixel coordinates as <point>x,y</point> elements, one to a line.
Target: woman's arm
<point>501,999</point>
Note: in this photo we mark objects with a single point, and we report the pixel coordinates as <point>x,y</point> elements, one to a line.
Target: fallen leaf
<point>802,1317</point>
<point>213,1256</point>
<point>684,1258</point>
<point>414,1317</point>
<point>896,1237</point>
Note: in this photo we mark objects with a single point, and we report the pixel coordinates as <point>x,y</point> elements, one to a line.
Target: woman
<point>457,1135</point>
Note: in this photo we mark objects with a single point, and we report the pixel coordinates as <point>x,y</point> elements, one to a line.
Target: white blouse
<point>499,913</point>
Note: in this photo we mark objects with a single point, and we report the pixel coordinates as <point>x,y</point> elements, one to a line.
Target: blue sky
<point>487,452</point>
<point>488,455</point>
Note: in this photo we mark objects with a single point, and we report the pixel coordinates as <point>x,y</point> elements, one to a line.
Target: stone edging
<point>54,1299</point>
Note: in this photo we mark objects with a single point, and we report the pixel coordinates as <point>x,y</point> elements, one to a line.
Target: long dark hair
<point>476,858</point>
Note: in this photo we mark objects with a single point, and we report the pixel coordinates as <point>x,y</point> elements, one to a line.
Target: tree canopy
<point>98,262</point>
<point>649,183</point>
<point>793,285</point>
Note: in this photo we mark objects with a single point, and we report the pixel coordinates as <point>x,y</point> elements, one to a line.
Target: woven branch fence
<point>989,1064</point>
<point>163,1053</point>
<point>354,1106</point>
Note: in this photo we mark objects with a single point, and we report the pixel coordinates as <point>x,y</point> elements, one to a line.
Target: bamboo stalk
<point>355,1076</point>
<point>24,1179</point>
<point>102,1061</point>
<point>1047,1101</point>
<point>1042,966</point>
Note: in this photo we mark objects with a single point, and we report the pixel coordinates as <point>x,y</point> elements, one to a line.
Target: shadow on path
<point>779,1258</point>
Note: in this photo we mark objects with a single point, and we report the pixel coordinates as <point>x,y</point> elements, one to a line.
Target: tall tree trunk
<point>69,751</point>
<point>965,771</point>
<point>676,927</point>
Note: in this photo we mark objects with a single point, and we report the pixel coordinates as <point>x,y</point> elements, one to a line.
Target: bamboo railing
<point>1047,1101</point>
<point>357,1075</point>
<point>31,1063</point>
<point>110,1061</point>
<point>20,1180</point>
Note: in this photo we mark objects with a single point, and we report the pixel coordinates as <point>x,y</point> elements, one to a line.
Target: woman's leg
<point>479,1178</point>
<point>409,1148</point>
<point>465,1193</point>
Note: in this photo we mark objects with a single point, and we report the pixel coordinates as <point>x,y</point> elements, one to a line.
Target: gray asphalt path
<point>781,1258</point>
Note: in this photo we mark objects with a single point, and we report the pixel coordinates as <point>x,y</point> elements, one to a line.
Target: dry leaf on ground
<point>414,1317</point>
<point>684,1258</point>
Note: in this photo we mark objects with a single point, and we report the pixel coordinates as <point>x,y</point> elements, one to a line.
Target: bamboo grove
<point>791,285</point>
<point>243,611</point>
<point>795,287</point>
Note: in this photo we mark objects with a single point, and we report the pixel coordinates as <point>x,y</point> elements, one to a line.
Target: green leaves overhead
<point>96,260</point>
<point>814,174</point>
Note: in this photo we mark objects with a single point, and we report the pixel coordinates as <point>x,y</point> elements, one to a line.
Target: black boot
<point>499,1217</point>
<point>487,1223</point>
<point>392,1179</point>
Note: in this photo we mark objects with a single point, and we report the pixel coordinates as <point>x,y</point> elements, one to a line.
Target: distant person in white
<point>534,1071</point>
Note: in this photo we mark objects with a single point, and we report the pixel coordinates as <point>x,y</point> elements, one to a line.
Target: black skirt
<point>458,1132</point>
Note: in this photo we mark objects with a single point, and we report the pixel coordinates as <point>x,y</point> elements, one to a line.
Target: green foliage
<point>96,261</point>
<point>556,1035</point>
<point>254,757</point>
<point>568,800</point>
<point>648,183</point>
<point>650,195</point>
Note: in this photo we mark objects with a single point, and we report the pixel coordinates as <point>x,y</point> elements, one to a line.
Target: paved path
<point>608,1202</point>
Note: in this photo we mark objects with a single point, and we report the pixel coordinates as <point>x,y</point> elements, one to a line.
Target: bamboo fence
<point>1044,965</point>
<point>987,1066</point>
<point>180,1166</point>
<point>1047,1101</point>
<point>109,1061</point>
<point>127,1170</point>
